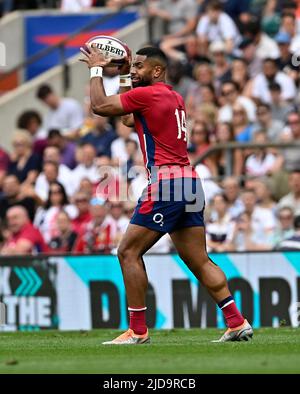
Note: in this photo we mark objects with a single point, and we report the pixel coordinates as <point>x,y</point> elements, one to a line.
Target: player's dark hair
<point>25,118</point>
<point>153,52</point>
<point>43,91</point>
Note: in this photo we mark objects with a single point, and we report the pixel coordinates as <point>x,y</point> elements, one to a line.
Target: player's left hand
<point>125,68</point>
<point>94,58</point>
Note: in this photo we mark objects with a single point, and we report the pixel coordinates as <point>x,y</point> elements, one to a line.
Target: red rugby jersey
<point>160,121</point>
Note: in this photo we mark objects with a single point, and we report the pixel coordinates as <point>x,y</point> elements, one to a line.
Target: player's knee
<point>126,254</point>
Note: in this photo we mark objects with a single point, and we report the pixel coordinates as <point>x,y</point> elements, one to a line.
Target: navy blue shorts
<point>169,205</point>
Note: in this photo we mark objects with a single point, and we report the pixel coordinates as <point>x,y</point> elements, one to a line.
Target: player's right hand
<point>94,58</point>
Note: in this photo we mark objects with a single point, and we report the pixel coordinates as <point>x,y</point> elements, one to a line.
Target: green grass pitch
<point>172,351</point>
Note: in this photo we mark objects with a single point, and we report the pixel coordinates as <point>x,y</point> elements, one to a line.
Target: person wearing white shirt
<point>210,188</point>
<point>87,167</point>
<point>65,114</point>
<point>230,94</point>
<point>64,176</point>
<point>118,148</point>
<point>261,82</point>
<point>216,25</point>
<point>263,220</point>
<point>75,5</point>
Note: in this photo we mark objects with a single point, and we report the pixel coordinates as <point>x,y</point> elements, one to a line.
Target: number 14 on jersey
<point>181,123</point>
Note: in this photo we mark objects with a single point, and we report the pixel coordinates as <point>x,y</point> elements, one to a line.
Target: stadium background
<point>252,191</point>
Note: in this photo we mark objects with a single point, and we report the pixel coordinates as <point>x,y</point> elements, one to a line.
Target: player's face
<point>141,71</point>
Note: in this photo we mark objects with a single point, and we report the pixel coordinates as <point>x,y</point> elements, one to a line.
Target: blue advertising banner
<point>46,30</point>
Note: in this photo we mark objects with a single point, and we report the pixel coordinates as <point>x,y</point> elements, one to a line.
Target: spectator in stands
<point>216,25</point>
<point>292,134</point>
<point>230,95</point>
<point>248,52</point>
<point>31,121</point>
<point>245,237</point>
<point>263,44</point>
<point>199,141</point>
<point>262,219</point>
<point>87,167</point>
<point>116,214</point>
<point>46,217</point>
<point>133,159</point>
<point>242,127</point>
<point>293,242</point>
<point>224,134</point>
<point>119,154</point>
<point>239,73</point>
<point>24,163</point>
<point>23,237</point>
<point>262,161</point>
<point>181,82</point>
<point>101,136</point>
<point>76,6</point>
<point>4,164</point>
<point>66,148</point>
<point>117,3</point>
<point>65,239</point>
<point>64,176</point>
<point>265,122</point>
<point>203,74</point>
<point>99,234</point>
<point>289,26</point>
<point>232,193</point>
<point>219,228</point>
<point>13,195</point>
<point>221,66</point>
<point>81,201</point>
<point>283,40</point>
<point>65,114</point>
<point>175,13</point>
<point>184,50</point>
<point>292,200</point>
<point>86,186</point>
<point>279,108</point>
<point>263,189</point>
<point>285,226</point>
<point>261,83</point>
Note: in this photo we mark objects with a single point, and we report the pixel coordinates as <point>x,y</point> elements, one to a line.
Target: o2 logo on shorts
<point>158,218</point>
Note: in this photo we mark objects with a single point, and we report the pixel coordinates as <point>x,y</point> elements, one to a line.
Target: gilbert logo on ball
<point>109,47</point>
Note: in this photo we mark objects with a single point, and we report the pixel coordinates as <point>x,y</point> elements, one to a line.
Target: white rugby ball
<point>109,47</point>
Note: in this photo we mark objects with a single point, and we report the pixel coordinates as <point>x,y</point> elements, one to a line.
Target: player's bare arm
<point>125,86</point>
<point>101,104</point>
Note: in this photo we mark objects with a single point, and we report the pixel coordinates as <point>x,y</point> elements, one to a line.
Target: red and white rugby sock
<point>231,313</point>
<point>137,319</point>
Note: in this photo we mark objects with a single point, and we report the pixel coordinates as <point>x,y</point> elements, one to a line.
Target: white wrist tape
<point>125,80</point>
<point>96,72</point>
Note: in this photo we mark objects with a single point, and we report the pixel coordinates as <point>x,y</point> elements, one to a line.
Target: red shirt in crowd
<point>31,234</point>
<point>80,222</point>
<point>95,239</point>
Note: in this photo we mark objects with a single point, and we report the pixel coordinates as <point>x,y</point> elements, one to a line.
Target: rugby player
<point>173,201</point>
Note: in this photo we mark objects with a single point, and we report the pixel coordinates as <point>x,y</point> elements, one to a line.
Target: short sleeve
<point>136,100</point>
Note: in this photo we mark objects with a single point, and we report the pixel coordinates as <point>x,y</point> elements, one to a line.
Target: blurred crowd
<point>236,63</point>
<point>7,6</point>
